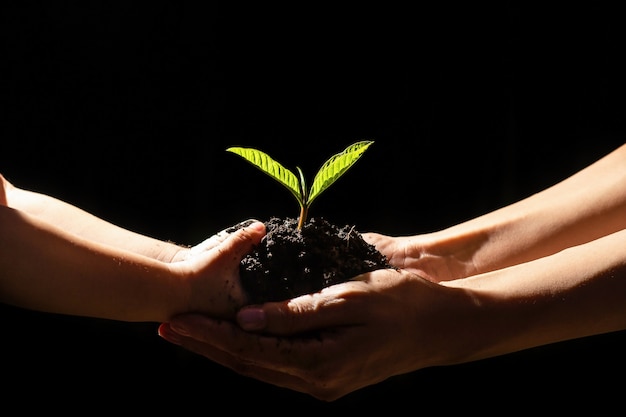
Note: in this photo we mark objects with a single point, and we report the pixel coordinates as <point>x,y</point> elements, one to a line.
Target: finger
<point>218,238</point>
<point>3,191</point>
<point>282,354</point>
<point>243,240</point>
<point>240,241</point>
<point>293,363</point>
<point>373,238</point>
<point>339,305</point>
<point>235,363</point>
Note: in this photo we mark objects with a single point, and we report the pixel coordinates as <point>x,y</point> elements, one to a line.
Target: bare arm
<point>75,220</point>
<point>577,292</point>
<point>49,269</point>
<point>581,208</point>
<point>60,259</point>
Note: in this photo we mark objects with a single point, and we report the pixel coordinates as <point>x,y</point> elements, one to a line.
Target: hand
<point>184,254</point>
<point>212,269</point>
<point>331,343</point>
<point>429,255</point>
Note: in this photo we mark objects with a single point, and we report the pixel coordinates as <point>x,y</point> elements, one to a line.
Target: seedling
<point>332,169</point>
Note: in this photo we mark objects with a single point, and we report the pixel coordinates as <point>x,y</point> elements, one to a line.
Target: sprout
<point>332,169</point>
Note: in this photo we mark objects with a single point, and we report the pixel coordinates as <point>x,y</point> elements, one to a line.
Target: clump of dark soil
<point>290,262</point>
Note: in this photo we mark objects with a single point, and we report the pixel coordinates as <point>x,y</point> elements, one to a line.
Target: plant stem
<point>303,215</point>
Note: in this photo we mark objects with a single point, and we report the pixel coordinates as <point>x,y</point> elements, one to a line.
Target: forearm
<point>45,268</point>
<point>583,207</point>
<point>578,292</point>
<point>84,224</point>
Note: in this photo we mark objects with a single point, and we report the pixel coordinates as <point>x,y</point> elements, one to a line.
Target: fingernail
<point>256,226</point>
<point>169,335</point>
<point>251,319</point>
<point>239,225</point>
<point>179,328</point>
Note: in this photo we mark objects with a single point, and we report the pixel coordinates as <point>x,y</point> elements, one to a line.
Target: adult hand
<point>333,342</point>
<point>432,256</point>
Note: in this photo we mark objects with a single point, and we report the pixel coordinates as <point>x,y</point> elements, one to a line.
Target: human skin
<point>548,268</point>
<point>56,257</point>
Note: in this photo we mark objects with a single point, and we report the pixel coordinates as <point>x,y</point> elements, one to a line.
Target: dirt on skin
<point>290,262</point>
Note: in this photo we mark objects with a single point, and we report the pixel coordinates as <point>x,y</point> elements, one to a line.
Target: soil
<point>290,262</point>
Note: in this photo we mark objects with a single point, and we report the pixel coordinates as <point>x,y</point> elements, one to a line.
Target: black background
<point>125,109</point>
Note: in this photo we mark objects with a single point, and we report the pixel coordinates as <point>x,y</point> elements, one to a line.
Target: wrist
<point>488,322</point>
<point>487,243</point>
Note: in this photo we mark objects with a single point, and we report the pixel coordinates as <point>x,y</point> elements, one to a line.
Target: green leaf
<point>265,163</point>
<point>335,167</point>
<point>332,169</point>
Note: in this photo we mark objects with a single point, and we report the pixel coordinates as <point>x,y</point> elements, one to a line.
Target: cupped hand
<point>211,270</point>
<point>427,255</point>
<point>333,342</point>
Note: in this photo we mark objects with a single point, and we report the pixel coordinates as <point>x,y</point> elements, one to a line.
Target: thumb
<point>243,240</point>
<point>218,238</point>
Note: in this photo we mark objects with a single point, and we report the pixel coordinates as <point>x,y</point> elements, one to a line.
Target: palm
<point>414,254</point>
